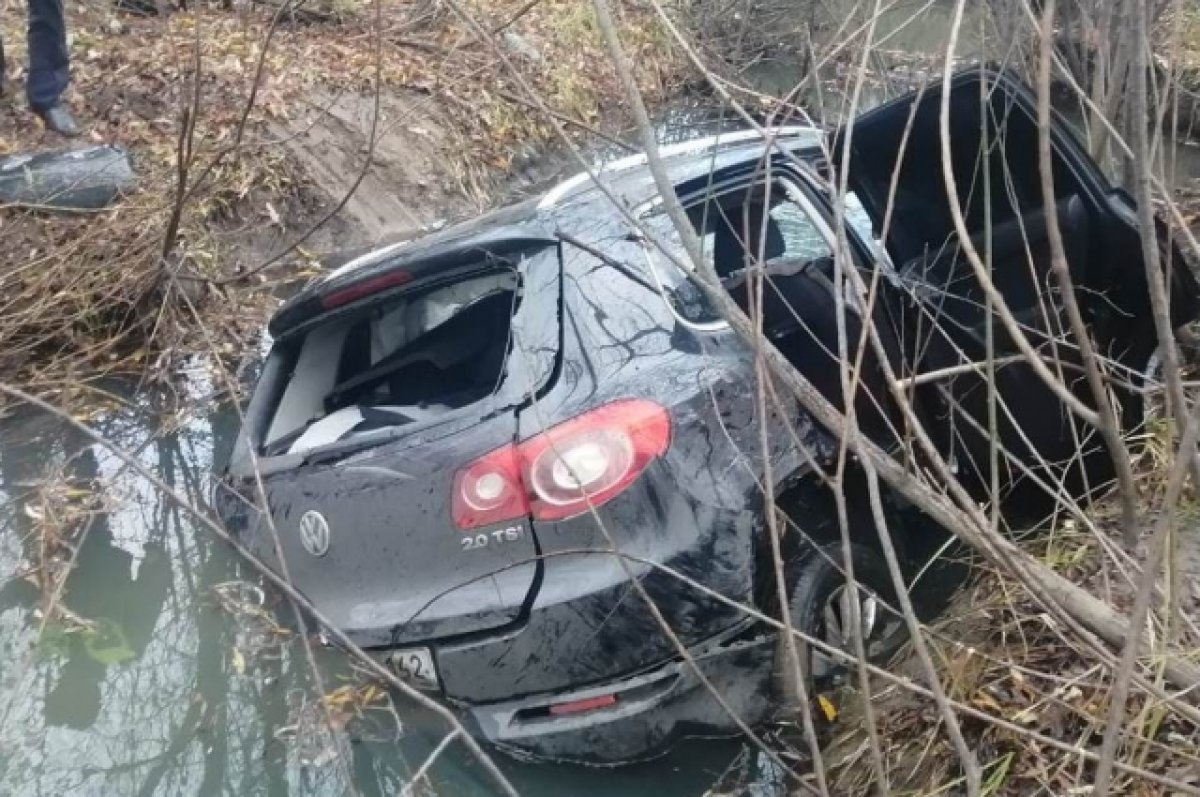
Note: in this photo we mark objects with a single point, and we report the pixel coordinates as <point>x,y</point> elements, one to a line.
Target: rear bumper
<point>651,709</point>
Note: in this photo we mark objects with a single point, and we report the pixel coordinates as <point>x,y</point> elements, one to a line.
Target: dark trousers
<point>49,66</point>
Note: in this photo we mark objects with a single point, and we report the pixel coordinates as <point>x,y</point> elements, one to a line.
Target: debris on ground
<point>74,179</point>
<point>131,288</point>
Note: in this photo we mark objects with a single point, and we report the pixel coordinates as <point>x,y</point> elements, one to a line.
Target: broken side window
<point>761,225</point>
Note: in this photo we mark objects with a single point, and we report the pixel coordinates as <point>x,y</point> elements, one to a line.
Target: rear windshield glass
<point>403,361</point>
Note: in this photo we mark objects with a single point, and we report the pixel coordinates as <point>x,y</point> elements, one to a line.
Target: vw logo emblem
<point>314,533</point>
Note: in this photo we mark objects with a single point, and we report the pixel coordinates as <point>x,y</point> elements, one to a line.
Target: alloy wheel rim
<point>836,625</point>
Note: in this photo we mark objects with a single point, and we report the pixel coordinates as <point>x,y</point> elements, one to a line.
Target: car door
<point>996,112</point>
<point>896,165</point>
<point>775,220</point>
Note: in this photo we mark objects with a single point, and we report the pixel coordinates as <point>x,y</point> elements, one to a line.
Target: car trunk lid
<point>388,564</point>
<point>361,421</point>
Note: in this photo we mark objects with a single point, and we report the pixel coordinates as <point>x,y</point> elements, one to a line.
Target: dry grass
<point>1000,653</point>
<point>82,296</point>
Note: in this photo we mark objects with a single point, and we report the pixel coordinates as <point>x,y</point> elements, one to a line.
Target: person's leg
<point>49,67</point>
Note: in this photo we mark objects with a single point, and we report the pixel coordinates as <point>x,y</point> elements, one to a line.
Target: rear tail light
<point>489,490</point>
<point>591,458</point>
<point>560,473</point>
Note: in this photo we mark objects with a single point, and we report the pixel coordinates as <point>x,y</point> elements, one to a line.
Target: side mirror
<point>691,303</point>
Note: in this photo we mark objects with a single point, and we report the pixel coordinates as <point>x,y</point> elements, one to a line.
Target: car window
<point>802,239</point>
<point>763,222</point>
<point>736,228</point>
<point>789,233</point>
<point>403,361</point>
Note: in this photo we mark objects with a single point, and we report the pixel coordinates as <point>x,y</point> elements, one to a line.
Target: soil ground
<point>264,188</point>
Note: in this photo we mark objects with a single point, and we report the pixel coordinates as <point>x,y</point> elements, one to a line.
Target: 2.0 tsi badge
<point>314,533</point>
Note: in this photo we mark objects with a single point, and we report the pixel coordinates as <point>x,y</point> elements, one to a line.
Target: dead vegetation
<point>58,512</point>
<point>1042,704</point>
<point>1001,654</point>
<point>1043,691</point>
<point>109,292</point>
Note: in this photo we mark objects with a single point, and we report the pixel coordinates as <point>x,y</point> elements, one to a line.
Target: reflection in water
<point>140,701</point>
<point>163,694</point>
<point>100,591</point>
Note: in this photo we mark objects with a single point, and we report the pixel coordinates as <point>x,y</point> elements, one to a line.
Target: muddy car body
<point>451,433</point>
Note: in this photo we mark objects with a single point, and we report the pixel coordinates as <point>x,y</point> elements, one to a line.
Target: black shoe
<point>59,119</point>
<point>140,8</point>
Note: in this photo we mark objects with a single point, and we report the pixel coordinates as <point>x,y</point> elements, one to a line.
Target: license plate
<point>415,666</point>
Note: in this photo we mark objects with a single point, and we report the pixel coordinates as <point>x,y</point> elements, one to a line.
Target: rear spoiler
<point>390,268</point>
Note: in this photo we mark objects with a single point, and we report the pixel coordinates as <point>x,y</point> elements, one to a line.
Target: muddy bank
<point>247,132</point>
<point>420,174</point>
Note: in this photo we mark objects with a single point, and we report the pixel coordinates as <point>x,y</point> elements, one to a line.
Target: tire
<point>817,601</point>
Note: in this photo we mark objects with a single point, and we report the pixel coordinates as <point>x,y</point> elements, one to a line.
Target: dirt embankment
<point>128,288</point>
<point>420,171</point>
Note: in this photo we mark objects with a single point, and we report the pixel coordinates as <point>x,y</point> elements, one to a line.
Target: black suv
<point>452,432</point>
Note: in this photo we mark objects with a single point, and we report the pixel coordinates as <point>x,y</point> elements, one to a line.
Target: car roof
<point>629,180</point>
<point>569,204</point>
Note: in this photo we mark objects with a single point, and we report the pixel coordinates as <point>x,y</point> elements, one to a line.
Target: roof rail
<point>696,145</point>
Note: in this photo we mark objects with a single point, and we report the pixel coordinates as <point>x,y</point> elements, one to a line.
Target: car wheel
<point>820,607</point>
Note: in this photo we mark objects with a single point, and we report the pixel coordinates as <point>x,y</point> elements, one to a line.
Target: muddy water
<point>163,688</point>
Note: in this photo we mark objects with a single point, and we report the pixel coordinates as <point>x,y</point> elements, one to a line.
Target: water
<point>173,690</point>
<point>910,38</point>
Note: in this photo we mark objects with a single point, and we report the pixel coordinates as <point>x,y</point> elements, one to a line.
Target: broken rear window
<point>406,360</point>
